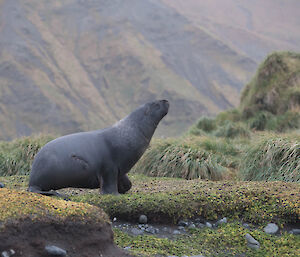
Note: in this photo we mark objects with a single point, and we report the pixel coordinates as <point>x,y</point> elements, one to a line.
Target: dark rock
<point>252,243</point>
<point>136,231</point>
<point>2,185</point>
<point>209,225</point>
<point>295,231</point>
<point>55,251</point>
<point>271,228</point>
<point>200,225</point>
<point>176,232</point>
<point>151,230</point>
<point>181,228</point>
<point>221,221</point>
<point>143,219</point>
<point>183,223</point>
<point>192,225</point>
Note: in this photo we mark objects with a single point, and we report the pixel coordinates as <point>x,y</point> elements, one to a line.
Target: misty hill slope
<point>252,27</point>
<point>81,65</point>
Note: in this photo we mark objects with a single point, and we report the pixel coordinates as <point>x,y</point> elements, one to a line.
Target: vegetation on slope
<point>16,156</point>
<point>275,87</point>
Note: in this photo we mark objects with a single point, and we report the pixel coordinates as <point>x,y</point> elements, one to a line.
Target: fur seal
<point>99,158</point>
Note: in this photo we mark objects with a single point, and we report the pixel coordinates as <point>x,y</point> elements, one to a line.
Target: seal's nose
<point>166,103</point>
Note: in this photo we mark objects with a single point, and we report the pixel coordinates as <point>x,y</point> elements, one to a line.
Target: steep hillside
<point>252,27</point>
<point>79,65</point>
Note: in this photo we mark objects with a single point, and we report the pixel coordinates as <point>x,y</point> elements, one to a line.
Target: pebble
<point>192,225</point>
<point>271,228</point>
<point>295,231</point>
<point>115,219</point>
<point>136,231</point>
<point>221,221</point>
<point>209,225</point>
<point>246,225</point>
<point>143,219</point>
<point>252,243</point>
<point>151,230</point>
<point>176,232</point>
<point>55,251</point>
<point>2,185</point>
<point>9,253</point>
<point>181,228</point>
<point>200,225</point>
<point>183,223</point>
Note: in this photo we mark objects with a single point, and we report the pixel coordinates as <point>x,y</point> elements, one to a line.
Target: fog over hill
<point>74,65</point>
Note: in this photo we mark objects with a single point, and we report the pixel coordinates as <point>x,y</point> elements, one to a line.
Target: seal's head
<point>147,116</point>
<point>155,111</point>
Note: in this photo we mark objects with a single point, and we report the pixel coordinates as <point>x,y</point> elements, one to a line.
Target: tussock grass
<point>192,157</point>
<point>16,156</point>
<point>232,130</point>
<point>273,157</point>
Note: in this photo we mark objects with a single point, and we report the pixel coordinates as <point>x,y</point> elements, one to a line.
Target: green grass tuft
<point>16,156</point>
<point>192,157</point>
<point>233,130</point>
<point>272,158</point>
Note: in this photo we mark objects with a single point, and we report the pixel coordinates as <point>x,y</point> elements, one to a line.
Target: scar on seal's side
<point>99,158</point>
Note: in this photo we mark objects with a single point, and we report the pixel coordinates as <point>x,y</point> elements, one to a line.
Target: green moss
<point>227,240</point>
<point>168,200</point>
<point>18,206</point>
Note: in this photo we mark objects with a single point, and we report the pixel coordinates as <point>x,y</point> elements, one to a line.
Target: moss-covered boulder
<point>29,222</point>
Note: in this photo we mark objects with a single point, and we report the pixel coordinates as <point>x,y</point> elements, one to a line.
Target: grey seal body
<point>99,158</point>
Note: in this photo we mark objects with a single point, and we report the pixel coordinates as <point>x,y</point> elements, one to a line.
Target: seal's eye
<point>156,106</point>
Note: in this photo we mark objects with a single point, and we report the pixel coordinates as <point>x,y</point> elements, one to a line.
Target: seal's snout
<point>166,103</point>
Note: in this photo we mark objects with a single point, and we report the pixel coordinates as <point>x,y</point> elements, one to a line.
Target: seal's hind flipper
<point>47,193</point>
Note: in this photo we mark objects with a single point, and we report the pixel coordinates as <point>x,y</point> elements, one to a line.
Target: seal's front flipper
<point>124,184</point>
<point>48,193</point>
